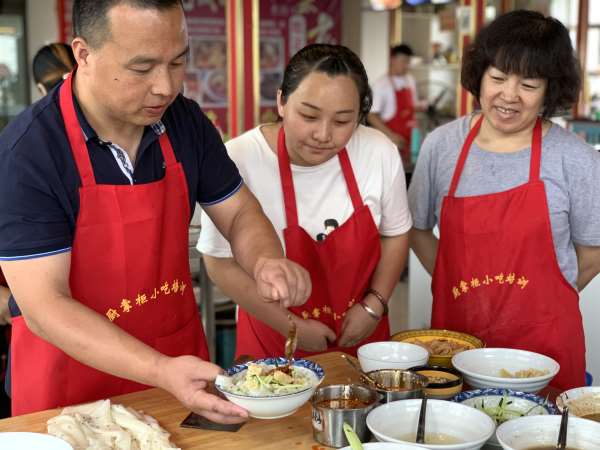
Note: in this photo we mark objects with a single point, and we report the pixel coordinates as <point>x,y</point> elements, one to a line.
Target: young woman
<point>516,198</point>
<point>335,193</point>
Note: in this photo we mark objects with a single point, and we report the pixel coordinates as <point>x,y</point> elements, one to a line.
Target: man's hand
<point>313,336</point>
<point>398,140</point>
<point>4,311</point>
<point>187,377</point>
<point>282,280</point>
<point>357,325</point>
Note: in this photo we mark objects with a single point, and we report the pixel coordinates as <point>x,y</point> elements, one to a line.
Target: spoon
<point>359,370</point>
<point>352,437</point>
<point>291,342</point>
<point>562,434</point>
<point>421,425</point>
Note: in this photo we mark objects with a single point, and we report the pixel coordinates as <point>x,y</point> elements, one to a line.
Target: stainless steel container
<point>397,384</point>
<point>327,421</point>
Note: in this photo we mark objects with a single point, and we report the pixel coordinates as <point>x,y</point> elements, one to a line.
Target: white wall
<point>375,43</point>
<point>42,29</point>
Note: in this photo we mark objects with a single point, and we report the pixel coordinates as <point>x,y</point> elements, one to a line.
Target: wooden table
<point>292,432</point>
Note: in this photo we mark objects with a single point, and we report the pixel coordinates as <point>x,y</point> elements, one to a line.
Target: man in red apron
<point>115,311</point>
<point>395,102</point>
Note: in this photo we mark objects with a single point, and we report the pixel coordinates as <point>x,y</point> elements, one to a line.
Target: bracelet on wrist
<point>381,299</point>
<point>370,311</point>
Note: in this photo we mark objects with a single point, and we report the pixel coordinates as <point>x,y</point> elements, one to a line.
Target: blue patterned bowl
<point>276,405</point>
<point>503,405</point>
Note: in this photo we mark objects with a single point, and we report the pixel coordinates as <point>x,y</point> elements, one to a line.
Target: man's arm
<point>4,312</point>
<point>357,324</point>
<point>227,274</point>
<point>41,286</point>
<point>376,121</point>
<point>588,262</point>
<point>257,249</point>
<point>424,244</point>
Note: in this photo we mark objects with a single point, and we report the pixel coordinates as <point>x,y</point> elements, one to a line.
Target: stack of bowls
<point>442,382</point>
<point>391,355</point>
<point>484,368</point>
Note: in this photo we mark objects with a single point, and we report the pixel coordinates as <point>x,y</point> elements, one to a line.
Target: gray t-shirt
<point>570,170</point>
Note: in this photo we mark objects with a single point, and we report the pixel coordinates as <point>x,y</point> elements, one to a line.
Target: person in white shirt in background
<point>395,102</point>
<point>335,192</point>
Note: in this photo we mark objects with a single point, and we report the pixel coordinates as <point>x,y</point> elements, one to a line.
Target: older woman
<point>516,198</point>
<point>335,193</point>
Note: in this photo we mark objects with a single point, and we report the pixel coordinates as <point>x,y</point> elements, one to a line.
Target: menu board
<point>206,73</point>
<point>285,27</point>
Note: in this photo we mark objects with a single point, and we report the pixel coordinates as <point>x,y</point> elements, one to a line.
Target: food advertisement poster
<point>285,27</point>
<point>206,74</point>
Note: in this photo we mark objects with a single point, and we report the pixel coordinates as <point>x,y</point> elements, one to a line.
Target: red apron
<point>340,268</point>
<point>129,263</point>
<point>404,120</point>
<point>496,274</point>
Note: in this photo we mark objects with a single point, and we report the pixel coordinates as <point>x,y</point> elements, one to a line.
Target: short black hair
<point>401,49</point>
<point>331,60</point>
<point>90,17</point>
<point>530,45</point>
<point>51,63</point>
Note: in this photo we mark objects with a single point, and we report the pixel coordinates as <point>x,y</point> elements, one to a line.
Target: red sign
<point>285,27</point>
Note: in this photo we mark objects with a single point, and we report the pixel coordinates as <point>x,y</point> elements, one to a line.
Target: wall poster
<point>285,27</point>
<point>206,74</point>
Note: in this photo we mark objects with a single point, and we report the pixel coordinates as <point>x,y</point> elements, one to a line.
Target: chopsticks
<point>562,434</point>
<point>421,425</point>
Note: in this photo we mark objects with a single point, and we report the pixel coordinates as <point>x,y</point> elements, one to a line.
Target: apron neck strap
<point>287,182</point>
<point>77,139</point>
<point>75,133</point>
<point>167,150</point>
<point>534,165</point>
<point>350,179</point>
<point>536,152</point>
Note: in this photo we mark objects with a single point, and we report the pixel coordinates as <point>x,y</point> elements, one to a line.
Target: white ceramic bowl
<point>386,446</point>
<point>391,355</point>
<point>505,404</point>
<point>582,402</point>
<point>396,421</point>
<point>526,432</point>
<point>37,441</point>
<point>481,368</point>
<point>274,407</point>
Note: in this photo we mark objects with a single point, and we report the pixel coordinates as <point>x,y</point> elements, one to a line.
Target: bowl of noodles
<point>269,388</point>
<point>442,345</point>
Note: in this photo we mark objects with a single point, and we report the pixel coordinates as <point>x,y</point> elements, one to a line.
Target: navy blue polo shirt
<point>39,181</point>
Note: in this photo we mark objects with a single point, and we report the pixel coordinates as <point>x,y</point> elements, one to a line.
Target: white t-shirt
<point>384,94</point>
<point>321,191</point>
